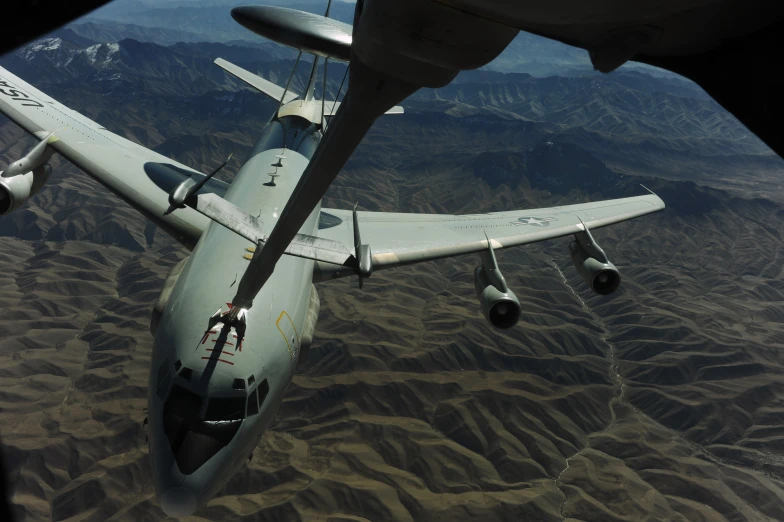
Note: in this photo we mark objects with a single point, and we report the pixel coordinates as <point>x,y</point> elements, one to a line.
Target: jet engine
<point>592,264</point>
<point>25,177</point>
<point>15,190</point>
<point>501,308</point>
<point>499,304</point>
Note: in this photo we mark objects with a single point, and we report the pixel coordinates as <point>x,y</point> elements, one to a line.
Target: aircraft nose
<point>178,502</point>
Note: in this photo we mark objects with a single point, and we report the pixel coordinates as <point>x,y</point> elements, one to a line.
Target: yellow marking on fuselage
<point>277,323</point>
<point>248,256</point>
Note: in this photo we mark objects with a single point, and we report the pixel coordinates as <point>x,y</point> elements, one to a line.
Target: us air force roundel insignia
<point>534,221</point>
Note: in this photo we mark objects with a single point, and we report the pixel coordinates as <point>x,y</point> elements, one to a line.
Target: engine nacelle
<point>501,308</point>
<point>600,275</point>
<point>15,190</point>
<point>26,176</point>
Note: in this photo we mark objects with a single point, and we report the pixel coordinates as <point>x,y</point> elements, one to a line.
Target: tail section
<point>276,92</point>
<point>321,36</point>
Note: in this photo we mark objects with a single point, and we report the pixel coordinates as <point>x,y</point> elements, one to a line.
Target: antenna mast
<point>324,85</point>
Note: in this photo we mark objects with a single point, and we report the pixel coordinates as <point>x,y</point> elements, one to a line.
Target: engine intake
<point>499,304</point>
<point>15,190</point>
<point>501,308</point>
<point>592,264</point>
<point>26,176</point>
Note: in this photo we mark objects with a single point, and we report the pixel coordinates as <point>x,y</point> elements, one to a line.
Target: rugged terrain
<point>662,402</point>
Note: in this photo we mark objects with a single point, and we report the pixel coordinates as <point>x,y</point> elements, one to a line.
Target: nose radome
<point>178,502</point>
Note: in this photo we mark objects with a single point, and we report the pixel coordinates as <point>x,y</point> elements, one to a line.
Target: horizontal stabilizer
<point>331,108</point>
<point>257,82</point>
<point>240,222</point>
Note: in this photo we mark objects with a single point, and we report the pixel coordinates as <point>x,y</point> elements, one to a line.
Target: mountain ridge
<point>660,402</point>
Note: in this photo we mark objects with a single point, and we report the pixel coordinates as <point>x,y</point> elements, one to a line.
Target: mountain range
<point>662,402</point>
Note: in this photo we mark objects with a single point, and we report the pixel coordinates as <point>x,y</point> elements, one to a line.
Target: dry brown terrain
<point>663,402</point>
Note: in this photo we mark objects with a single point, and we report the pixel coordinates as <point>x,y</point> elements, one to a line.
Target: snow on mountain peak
<point>100,55</point>
<point>45,44</point>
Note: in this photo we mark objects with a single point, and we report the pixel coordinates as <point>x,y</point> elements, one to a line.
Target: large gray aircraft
<point>236,317</point>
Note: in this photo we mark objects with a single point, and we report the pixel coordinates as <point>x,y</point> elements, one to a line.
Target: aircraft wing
<point>139,176</point>
<point>403,239</point>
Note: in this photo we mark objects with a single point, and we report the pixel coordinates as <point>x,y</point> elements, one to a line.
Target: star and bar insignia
<point>534,221</point>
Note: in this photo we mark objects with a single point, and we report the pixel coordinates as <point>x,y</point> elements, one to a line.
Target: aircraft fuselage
<point>204,381</point>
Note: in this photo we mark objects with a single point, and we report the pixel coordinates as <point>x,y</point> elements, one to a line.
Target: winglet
<point>660,204</point>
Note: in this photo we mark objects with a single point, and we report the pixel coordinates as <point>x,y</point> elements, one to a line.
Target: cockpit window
<point>253,402</point>
<point>194,440</point>
<point>256,397</point>
<point>186,403</point>
<point>263,391</point>
<point>225,409</point>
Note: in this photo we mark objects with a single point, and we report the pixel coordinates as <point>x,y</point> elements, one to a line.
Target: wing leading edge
<point>404,239</point>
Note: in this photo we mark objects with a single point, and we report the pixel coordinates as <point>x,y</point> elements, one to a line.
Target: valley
<point>662,402</point>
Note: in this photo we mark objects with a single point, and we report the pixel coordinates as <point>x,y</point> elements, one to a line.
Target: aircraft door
<point>290,335</point>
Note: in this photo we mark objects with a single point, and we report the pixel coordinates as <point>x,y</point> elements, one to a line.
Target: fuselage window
<point>251,380</point>
<point>225,409</point>
<point>253,402</point>
<point>238,384</point>
<point>263,390</point>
